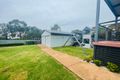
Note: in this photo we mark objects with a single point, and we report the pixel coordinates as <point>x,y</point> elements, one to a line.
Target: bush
<point>13,44</point>
<point>113,67</point>
<point>30,42</point>
<point>97,62</point>
<point>88,59</point>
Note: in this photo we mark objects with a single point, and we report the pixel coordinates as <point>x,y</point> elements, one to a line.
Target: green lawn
<point>30,63</point>
<point>76,51</point>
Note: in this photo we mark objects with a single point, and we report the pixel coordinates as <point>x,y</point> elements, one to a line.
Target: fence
<point>2,42</point>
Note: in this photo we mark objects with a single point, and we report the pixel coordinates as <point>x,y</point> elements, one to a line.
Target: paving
<point>84,70</point>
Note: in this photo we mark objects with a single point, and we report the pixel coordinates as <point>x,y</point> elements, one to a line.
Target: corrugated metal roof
<point>60,33</point>
<point>114,5</point>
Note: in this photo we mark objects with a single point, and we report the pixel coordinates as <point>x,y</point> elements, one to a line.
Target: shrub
<point>88,59</point>
<point>13,44</point>
<point>97,62</point>
<point>30,42</point>
<point>113,67</point>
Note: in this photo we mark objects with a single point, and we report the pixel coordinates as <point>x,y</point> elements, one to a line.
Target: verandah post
<point>97,19</point>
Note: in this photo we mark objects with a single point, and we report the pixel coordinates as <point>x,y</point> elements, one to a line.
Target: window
<point>86,41</point>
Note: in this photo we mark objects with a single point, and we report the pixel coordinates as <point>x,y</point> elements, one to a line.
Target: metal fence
<point>17,41</point>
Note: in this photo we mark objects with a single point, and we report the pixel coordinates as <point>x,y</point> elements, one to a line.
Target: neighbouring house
<point>56,39</point>
<point>87,37</point>
<point>14,36</point>
<point>87,40</point>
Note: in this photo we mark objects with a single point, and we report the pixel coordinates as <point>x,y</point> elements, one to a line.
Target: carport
<point>114,6</point>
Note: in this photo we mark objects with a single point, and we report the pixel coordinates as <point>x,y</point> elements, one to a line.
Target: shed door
<point>46,40</point>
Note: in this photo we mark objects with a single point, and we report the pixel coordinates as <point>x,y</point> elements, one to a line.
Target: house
<point>56,39</point>
<point>15,36</point>
<point>87,40</point>
<point>87,37</point>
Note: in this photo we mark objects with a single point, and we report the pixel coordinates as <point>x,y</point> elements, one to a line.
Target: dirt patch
<point>4,70</point>
<point>19,76</point>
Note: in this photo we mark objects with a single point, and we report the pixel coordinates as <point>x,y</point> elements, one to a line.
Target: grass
<point>30,63</point>
<point>76,51</point>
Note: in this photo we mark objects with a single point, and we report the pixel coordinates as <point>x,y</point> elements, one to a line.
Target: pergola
<point>114,6</point>
<point>107,51</point>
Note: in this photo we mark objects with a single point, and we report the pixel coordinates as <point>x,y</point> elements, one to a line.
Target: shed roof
<point>114,5</point>
<point>60,33</point>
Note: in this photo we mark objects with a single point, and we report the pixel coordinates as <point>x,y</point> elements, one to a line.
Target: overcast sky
<point>69,14</point>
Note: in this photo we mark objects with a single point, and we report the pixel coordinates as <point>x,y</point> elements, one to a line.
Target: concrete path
<point>84,70</point>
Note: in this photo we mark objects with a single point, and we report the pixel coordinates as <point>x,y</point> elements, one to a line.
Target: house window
<point>86,41</point>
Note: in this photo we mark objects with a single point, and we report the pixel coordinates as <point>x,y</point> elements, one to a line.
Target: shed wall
<point>51,40</point>
<point>46,39</point>
<point>59,41</point>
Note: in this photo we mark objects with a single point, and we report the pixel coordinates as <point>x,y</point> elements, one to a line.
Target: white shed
<point>56,39</point>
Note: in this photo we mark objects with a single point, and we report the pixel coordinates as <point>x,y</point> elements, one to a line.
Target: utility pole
<point>97,19</point>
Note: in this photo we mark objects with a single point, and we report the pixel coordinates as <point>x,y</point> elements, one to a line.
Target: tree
<point>15,26</point>
<point>34,33</point>
<point>56,28</point>
<point>115,31</point>
<point>4,31</point>
<point>20,29</point>
<point>102,33</point>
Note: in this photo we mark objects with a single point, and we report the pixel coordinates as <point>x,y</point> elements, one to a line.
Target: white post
<point>97,19</point>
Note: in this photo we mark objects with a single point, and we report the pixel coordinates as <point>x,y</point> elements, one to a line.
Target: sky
<point>68,14</point>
